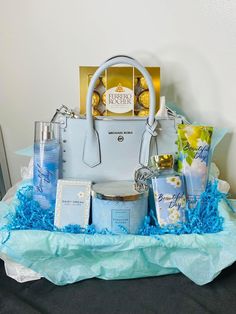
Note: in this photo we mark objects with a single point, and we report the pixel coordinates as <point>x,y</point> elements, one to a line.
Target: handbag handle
<point>120,56</point>
<point>91,154</point>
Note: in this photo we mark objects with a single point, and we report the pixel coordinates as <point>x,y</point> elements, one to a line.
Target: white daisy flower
<point>173,209</point>
<point>175,181</point>
<point>171,180</point>
<point>174,216</point>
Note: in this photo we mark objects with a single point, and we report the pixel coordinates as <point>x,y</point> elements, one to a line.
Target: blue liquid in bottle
<point>46,167</point>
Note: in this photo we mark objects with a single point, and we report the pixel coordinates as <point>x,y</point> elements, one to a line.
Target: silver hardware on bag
<point>173,114</point>
<point>141,176</point>
<point>64,111</point>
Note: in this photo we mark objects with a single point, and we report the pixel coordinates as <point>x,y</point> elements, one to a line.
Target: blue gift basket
<point>204,246</point>
<point>77,254</point>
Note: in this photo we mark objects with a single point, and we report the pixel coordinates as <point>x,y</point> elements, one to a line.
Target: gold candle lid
<point>117,191</point>
<point>162,161</point>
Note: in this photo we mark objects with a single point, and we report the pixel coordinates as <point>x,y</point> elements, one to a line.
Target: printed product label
<point>72,205</point>
<point>120,220</point>
<point>170,199</point>
<point>120,99</point>
<point>46,167</point>
<point>194,145</point>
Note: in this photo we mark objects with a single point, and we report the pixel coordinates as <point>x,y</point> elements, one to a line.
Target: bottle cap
<point>161,162</point>
<point>46,131</point>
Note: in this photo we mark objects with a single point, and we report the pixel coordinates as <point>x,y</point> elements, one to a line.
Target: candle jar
<point>118,207</point>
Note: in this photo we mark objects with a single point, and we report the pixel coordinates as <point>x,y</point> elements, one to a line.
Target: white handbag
<point>111,148</point>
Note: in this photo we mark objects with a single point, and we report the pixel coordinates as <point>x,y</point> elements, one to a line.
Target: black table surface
<point>166,294</point>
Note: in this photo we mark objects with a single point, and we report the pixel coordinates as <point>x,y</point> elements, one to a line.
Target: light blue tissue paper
<point>27,151</point>
<point>65,258</point>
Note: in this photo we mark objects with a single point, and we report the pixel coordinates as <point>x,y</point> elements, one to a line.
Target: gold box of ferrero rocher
<point>119,91</point>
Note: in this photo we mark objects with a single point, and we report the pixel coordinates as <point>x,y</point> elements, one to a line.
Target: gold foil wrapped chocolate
<point>144,99</point>
<point>143,83</point>
<point>143,113</point>
<point>95,99</point>
<point>104,81</point>
<point>96,112</point>
<point>104,98</point>
<point>97,81</point>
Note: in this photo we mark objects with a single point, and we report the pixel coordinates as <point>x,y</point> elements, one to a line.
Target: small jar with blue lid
<point>118,207</point>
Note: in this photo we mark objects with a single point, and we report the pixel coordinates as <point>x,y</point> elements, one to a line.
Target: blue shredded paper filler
<point>204,218</point>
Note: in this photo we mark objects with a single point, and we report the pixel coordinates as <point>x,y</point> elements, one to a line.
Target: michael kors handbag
<point>111,148</point>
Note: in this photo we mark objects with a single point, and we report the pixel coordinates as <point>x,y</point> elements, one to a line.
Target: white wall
<point>43,42</point>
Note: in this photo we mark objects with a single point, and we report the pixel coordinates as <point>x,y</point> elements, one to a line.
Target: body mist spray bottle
<point>46,163</point>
